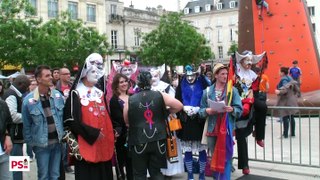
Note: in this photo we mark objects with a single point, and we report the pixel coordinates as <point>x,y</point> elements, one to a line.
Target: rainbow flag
<point>223,152</point>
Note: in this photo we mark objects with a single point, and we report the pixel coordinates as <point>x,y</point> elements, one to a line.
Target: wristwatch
<point>7,134</point>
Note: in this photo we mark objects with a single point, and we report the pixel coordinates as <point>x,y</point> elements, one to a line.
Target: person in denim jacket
<point>42,112</point>
<point>217,92</point>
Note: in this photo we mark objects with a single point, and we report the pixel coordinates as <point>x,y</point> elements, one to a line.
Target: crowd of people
<point>121,121</point>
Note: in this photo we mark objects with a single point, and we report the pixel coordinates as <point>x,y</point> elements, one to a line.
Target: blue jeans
<point>4,167</point>
<point>48,161</point>
<point>29,151</point>
<point>17,151</point>
<point>286,120</point>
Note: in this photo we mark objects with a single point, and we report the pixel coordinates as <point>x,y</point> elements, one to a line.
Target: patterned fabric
<point>194,146</point>
<point>52,132</point>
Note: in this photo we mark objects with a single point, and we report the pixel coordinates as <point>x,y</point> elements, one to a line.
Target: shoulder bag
<point>69,137</point>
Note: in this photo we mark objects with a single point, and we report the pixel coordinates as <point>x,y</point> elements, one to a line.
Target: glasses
<point>65,74</point>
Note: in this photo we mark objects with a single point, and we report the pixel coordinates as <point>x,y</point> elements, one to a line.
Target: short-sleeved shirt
<point>263,83</point>
<point>295,73</point>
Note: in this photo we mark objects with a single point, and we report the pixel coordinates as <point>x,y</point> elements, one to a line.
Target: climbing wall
<point>285,36</point>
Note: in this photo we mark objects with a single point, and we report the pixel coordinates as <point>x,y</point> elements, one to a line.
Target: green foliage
<point>233,48</point>
<point>174,42</point>
<point>58,42</point>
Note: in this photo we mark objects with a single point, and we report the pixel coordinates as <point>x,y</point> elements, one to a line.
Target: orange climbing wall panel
<point>287,36</point>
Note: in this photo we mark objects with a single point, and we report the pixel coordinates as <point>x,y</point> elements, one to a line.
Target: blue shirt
<point>295,73</point>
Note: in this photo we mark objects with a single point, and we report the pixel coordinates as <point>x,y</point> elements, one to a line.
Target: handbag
<point>172,149</point>
<point>174,123</point>
<point>70,138</point>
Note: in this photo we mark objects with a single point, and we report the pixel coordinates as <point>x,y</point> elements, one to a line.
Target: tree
<point>16,35</point>
<point>174,42</point>
<point>233,48</point>
<point>58,42</point>
<point>66,42</point>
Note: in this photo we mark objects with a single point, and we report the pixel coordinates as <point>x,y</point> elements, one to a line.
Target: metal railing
<point>302,150</point>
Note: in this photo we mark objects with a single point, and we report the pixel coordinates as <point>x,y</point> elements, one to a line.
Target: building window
<point>231,35</point>
<point>219,22</point>
<point>197,9</point>
<point>208,35</point>
<point>208,7</point>
<point>233,20</point>
<point>113,9</point>
<point>186,10</point>
<point>219,6</point>
<point>114,39</point>
<point>137,35</point>
<point>91,13</point>
<point>220,52</point>
<point>33,4</point>
<point>219,35</point>
<point>314,27</point>
<point>73,9</point>
<point>311,10</point>
<point>232,4</point>
<point>52,8</point>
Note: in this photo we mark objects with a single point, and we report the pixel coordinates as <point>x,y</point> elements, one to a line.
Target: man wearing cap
<point>295,73</point>
<point>217,92</point>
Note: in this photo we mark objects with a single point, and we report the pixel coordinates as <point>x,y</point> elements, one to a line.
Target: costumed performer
<point>161,86</point>
<point>247,82</point>
<point>86,115</point>
<point>189,92</point>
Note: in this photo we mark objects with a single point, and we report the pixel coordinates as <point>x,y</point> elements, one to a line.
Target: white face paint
<point>155,77</point>
<point>95,60</point>
<point>127,71</point>
<point>191,78</point>
<point>246,62</point>
<point>92,75</point>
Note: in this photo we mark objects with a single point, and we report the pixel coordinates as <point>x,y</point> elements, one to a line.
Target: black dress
<point>123,159</point>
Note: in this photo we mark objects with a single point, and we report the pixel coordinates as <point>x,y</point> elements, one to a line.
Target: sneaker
<point>260,143</point>
<point>245,171</point>
<point>68,169</point>
<point>269,14</point>
<point>260,17</point>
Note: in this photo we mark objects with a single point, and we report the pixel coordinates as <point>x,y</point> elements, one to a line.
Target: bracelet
<point>7,134</point>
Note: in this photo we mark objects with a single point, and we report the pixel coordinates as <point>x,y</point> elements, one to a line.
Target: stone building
<point>218,21</point>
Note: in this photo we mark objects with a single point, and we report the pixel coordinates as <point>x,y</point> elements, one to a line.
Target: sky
<point>169,5</point>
